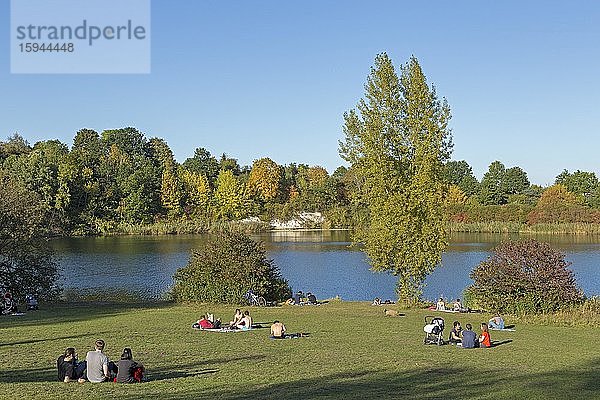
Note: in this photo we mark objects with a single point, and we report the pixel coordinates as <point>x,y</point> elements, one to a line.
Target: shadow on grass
<point>58,313</point>
<point>421,383</point>
<point>30,341</point>
<point>197,367</point>
<point>29,375</point>
<point>162,375</point>
<point>500,343</point>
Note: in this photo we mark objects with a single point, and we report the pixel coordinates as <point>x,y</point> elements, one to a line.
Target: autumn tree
<point>456,195</point>
<point>229,196</point>
<point>557,204</point>
<point>196,192</point>
<point>170,193</point>
<point>264,180</point>
<point>397,143</point>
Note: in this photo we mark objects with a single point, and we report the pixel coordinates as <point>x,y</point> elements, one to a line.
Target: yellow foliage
<point>264,179</point>
<point>456,195</point>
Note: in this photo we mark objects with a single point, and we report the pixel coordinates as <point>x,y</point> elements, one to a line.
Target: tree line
<point>506,195</point>
<point>119,175</point>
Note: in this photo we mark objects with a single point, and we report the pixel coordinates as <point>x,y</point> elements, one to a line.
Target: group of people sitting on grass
<point>242,321</point>
<point>469,339</point>
<point>455,307</point>
<point>97,367</point>
<point>300,299</point>
<point>377,301</point>
<point>9,305</point>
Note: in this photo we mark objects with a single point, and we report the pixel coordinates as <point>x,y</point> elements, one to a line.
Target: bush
<point>524,277</point>
<point>227,267</point>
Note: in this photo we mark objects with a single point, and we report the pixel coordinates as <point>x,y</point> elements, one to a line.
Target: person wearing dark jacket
<point>69,369</point>
<point>129,371</point>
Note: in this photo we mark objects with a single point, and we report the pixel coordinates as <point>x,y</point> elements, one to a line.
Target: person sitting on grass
<point>455,333</point>
<point>311,298</point>
<point>246,322</point>
<point>32,303</point>
<point>69,370</point>
<point>485,340</point>
<point>277,330</point>
<point>440,305</point>
<point>237,317</point>
<point>298,297</point>
<point>469,338</point>
<point>129,371</point>
<point>99,367</point>
<point>457,306</point>
<point>496,322</point>
<point>9,306</point>
<point>376,302</point>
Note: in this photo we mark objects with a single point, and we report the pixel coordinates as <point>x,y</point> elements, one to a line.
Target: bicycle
<point>254,299</point>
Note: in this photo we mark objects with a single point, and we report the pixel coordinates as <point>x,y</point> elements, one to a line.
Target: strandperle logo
<point>78,37</point>
<point>85,31</point>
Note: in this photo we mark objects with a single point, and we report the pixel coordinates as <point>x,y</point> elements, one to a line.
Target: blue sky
<point>271,78</point>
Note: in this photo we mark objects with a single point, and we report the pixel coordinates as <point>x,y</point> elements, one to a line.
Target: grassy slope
<point>354,352</point>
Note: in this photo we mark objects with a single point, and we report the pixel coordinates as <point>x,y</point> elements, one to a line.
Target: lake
<point>318,261</point>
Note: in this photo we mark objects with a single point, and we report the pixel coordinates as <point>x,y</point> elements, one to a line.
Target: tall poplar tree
<point>397,142</point>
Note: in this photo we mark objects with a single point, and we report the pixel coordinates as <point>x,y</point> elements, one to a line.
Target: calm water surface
<point>321,262</point>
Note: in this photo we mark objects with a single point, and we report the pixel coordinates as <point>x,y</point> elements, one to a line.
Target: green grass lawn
<point>353,352</point>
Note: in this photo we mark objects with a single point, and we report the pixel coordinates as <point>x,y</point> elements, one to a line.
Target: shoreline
<point>202,227</point>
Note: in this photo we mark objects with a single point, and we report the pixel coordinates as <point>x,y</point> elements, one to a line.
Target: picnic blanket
<point>504,329</point>
<point>225,329</point>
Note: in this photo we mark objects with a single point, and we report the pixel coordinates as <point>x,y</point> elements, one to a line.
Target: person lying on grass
<point>204,323</point>
<point>277,330</point>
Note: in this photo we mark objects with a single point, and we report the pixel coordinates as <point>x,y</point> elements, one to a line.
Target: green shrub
<point>225,268</point>
<point>524,277</point>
